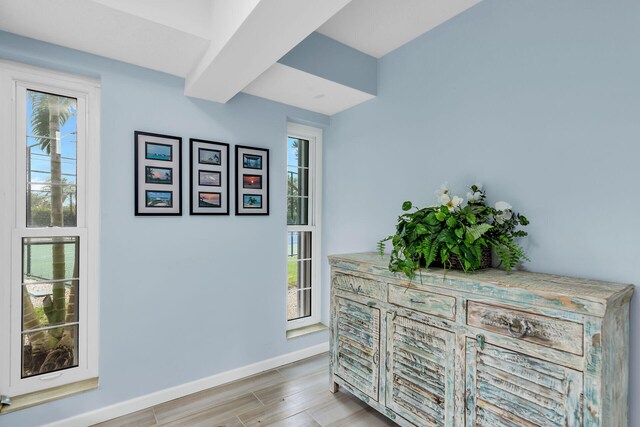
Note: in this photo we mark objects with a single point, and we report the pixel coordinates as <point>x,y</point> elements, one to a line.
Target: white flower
<point>444,199</point>
<point>454,203</point>
<point>502,206</point>
<point>506,213</point>
<point>457,201</point>
<point>474,197</point>
<point>443,190</point>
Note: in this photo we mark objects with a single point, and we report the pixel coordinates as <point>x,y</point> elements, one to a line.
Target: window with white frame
<point>304,165</point>
<point>49,230</point>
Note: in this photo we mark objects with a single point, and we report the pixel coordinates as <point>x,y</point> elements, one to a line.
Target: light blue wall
<point>186,297</point>
<point>539,100</point>
<point>327,58</point>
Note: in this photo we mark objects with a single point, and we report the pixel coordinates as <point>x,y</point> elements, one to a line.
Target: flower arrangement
<point>452,233</point>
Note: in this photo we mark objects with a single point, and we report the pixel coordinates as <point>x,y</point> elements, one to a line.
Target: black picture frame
<point>220,168</point>
<point>144,163</point>
<point>252,162</point>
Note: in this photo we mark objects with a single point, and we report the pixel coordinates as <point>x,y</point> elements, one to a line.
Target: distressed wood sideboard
<point>484,349</point>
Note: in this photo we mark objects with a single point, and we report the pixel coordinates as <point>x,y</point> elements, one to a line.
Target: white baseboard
<point>146,401</point>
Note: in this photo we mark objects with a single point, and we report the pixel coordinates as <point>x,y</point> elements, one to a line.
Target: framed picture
<point>209,177</point>
<point>209,200</point>
<point>252,201</point>
<point>155,175</point>
<point>158,199</point>
<point>250,161</point>
<point>209,157</point>
<point>158,177</point>
<point>252,181</point>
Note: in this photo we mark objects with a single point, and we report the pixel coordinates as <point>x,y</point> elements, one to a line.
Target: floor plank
<point>277,392</point>
<point>343,406</point>
<point>319,363</point>
<point>368,417</point>
<point>195,421</point>
<point>144,418</point>
<point>288,406</point>
<point>218,415</point>
<point>198,402</point>
<point>301,419</point>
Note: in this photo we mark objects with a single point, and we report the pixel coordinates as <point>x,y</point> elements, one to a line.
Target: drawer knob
<point>415,301</point>
<point>520,332</point>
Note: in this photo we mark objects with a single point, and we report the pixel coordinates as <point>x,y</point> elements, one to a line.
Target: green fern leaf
<point>476,231</point>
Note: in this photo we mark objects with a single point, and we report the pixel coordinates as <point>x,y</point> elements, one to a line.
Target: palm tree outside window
<point>50,270</point>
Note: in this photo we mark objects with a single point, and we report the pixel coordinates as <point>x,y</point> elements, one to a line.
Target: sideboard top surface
<point>584,296</point>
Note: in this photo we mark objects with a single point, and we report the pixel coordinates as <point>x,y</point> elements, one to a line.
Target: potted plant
<point>455,235</point>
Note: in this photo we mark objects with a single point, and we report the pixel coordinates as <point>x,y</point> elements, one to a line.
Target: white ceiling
<point>376,27</point>
<point>195,19</point>
<point>294,87</point>
<point>92,27</point>
<point>204,41</point>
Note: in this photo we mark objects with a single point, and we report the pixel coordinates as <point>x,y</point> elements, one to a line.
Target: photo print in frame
<point>252,180</point>
<point>158,177</point>
<point>208,177</point>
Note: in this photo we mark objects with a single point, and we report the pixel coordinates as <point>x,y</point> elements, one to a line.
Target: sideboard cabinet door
<point>506,388</point>
<point>357,343</point>
<point>420,372</point>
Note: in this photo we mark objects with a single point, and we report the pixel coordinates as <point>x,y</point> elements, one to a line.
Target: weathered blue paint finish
<point>488,349</point>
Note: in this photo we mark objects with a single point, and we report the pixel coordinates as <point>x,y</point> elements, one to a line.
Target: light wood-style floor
<point>295,395</point>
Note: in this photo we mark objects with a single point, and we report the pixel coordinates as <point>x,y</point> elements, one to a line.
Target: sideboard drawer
<point>426,302</point>
<point>358,286</point>
<point>547,331</point>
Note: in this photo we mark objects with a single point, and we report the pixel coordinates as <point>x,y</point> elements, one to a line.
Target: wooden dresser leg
<point>333,388</point>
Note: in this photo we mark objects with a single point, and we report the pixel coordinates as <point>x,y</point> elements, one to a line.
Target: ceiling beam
<point>250,36</point>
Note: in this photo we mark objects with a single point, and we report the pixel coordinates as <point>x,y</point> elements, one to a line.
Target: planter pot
<point>455,264</point>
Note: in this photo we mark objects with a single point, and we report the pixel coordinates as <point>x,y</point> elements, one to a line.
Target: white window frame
<point>314,136</point>
<point>15,79</point>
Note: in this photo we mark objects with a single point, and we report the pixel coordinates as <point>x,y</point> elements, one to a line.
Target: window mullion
<point>295,228</point>
<point>47,328</point>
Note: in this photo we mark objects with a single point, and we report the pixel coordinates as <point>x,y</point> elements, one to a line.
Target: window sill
<point>306,330</point>
<point>38,397</point>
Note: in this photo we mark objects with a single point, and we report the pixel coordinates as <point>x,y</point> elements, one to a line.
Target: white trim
<point>158,397</point>
<point>15,80</point>
<point>314,136</point>
<point>38,74</point>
